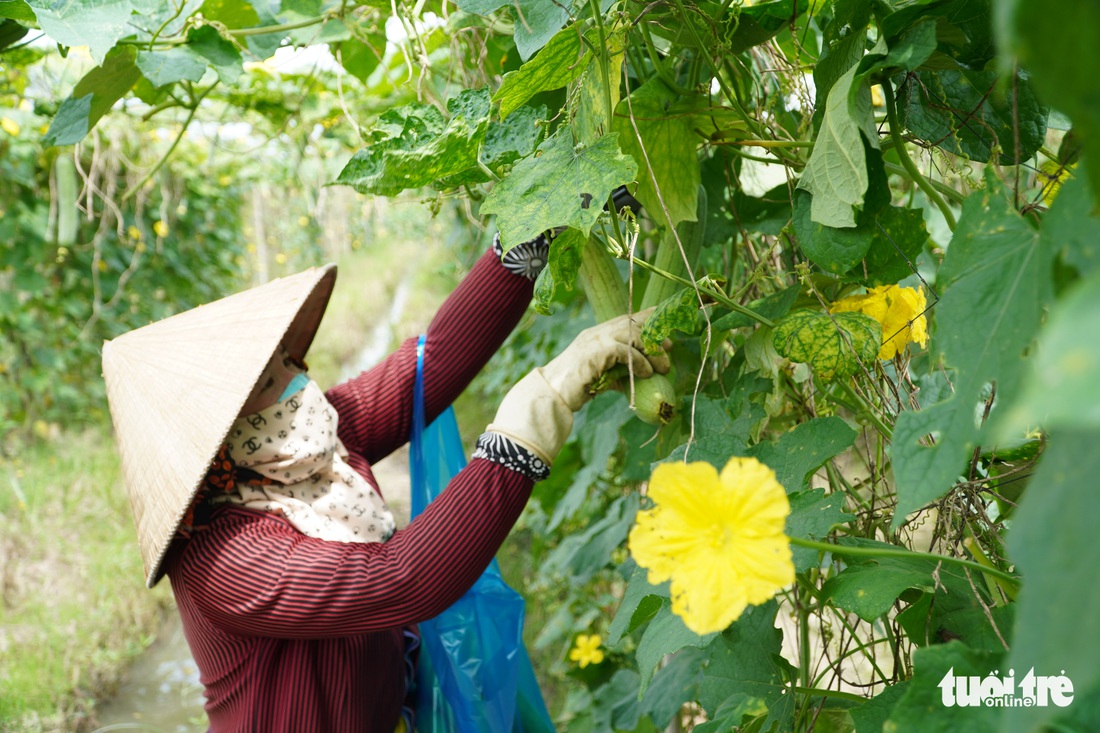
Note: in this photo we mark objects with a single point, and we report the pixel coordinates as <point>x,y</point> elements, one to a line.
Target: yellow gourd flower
<point>160,228</point>
<point>899,310</point>
<point>718,537</point>
<point>9,126</point>
<point>587,650</point>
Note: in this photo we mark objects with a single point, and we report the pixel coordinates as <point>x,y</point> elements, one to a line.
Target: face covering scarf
<point>292,444</point>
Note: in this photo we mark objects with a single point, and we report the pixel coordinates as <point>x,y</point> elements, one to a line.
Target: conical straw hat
<point>175,387</point>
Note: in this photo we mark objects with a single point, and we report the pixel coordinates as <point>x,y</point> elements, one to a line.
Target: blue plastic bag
<point>474,675</point>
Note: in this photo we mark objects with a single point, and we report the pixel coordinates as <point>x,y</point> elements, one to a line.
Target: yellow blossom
<point>9,126</point>
<point>1052,175</point>
<point>160,228</point>
<point>899,310</point>
<point>877,98</point>
<point>587,650</point>
<point>133,232</point>
<point>280,258</point>
<point>718,537</point>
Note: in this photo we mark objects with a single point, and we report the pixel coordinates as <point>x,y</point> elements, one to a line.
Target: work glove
<point>537,413</point>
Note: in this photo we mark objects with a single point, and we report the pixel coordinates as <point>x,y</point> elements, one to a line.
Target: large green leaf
<point>93,97</point>
<point>868,588</point>
<point>746,672</point>
<point>536,22</point>
<point>836,173</point>
<point>564,262</point>
<point>171,65</point>
<point>751,25</point>
<point>871,715</point>
<point>666,138</point>
<point>996,282</point>
<point>1057,44</point>
<point>797,453</point>
<point>1053,542</point>
<point>1063,390</point>
<point>833,344</point>
<point>561,185</point>
<point>665,634</point>
<point>1072,226</point>
<point>97,24</point>
<point>921,708</point>
<point>220,52</point>
<point>17,10</point>
<point>813,515</point>
<point>562,60</point>
<point>413,146</point>
<point>640,603</point>
<point>971,112</point>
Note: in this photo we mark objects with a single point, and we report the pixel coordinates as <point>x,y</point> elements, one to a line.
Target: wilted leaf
<point>514,138</point>
<point>560,185</point>
<point>676,313</point>
<point>834,345</point>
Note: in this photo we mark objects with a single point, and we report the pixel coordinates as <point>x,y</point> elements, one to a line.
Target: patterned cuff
<point>526,259</point>
<point>499,449</point>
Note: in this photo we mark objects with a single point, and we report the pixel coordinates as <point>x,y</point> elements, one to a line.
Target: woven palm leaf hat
<point>175,387</point>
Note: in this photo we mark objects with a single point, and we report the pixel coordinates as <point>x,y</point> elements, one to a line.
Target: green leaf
<point>921,708</point>
<point>17,10</point>
<point>665,634</point>
<point>869,589</point>
<point>360,58</point>
<point>640,603</point>
<point>598,96</point>
<point>97,24</point>
<point>746,670</point>
<point>1060,70</point>
<point>1053,542</point>
<point>514,138</point>
<point>164,19</point>
<point>871,715</point>
<point>561,270</point>
<point>171,65</point>
<point>221,53</point>
<point>833,344</point>
<point>537,22</point>
<point>996,281</point>
<point>562,61</point>
<point>963,29</point>
<point>673,684</point>
<point>1063,390</point>
<point>755,24</point>
<point>836,173</point>
<point>413,147</point>
<point>481,7</point>
<point>560,185</point>
<point>93,97</point>
<point>906,53</point>
<point>1071,226</point>
<point>813,515</point>
<point>669,140</point>
<point>796,454</point>
<point>676,313</point>
<point>970,112</point>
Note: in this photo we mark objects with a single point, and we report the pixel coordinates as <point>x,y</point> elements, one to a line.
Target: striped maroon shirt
<point>292,633</point>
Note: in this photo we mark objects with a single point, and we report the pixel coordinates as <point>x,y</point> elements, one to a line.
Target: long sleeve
<point>376,407</point>
<point>253,574</point>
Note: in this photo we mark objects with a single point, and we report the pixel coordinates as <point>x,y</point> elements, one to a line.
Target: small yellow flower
<point>587,650</point>
<point>9,126</point>
<point>1052,175</point>
<point>877,98</point>
<point>280,258</point>
<point>133,232</point>
<point>718,537</point>
<point>899,310</point>
<point>303,221</point>
<point>160,228</point>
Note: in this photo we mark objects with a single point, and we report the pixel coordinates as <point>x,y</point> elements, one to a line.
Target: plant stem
<point>907,162</point>
<point>956,196</point>
<point>865,410</point>
<point>715,295</point>
<point>818,692</point>
<point>877,552</point>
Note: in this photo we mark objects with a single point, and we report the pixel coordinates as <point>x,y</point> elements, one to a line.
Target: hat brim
<point>175,387</point>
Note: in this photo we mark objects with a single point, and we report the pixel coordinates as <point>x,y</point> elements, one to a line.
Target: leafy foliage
<point>926,154</point>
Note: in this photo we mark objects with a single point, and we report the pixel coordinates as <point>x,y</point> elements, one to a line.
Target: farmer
<point>252,489</point>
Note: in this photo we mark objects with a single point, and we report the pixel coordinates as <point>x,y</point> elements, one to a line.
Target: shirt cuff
<point>497,448</point>
<point>526,259</point>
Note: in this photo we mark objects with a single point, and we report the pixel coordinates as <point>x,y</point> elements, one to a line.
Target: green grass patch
<point>73,604</point>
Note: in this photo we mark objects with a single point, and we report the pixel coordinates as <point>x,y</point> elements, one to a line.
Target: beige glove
<point>537,413</point>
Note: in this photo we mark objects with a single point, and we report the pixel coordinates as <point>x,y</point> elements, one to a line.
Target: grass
<point>73,604</point>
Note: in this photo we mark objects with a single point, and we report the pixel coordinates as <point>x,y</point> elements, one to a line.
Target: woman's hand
<point>538,412</point>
